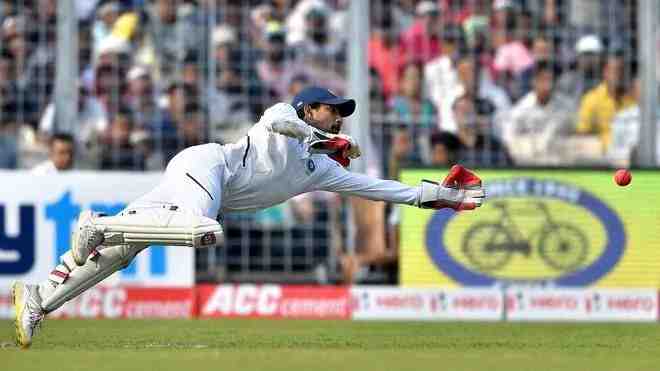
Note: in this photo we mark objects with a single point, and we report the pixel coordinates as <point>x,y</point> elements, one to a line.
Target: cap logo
<point>311,166</point>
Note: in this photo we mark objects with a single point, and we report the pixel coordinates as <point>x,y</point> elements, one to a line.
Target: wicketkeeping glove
<point>339,147</point>
<point>460,190</point>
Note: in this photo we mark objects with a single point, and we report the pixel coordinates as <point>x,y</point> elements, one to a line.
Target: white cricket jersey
<point>266,168</point>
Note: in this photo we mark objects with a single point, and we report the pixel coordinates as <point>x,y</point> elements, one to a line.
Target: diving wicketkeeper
<point>293,149</point>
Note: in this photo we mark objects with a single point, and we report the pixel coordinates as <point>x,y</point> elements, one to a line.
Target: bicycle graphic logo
<point>488,251</point>
<point>490,246</point>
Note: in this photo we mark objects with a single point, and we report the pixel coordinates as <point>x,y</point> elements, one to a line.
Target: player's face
<point>61,153</point>
<point>326,118</point>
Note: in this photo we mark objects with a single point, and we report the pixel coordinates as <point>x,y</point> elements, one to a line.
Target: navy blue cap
<point>315,94</point>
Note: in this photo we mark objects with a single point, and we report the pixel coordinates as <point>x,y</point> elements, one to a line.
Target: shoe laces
<point>36,319</point>
<point>36,314</point>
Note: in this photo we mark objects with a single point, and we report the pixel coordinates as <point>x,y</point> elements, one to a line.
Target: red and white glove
<point>461,190</point>
<point>339,147</point>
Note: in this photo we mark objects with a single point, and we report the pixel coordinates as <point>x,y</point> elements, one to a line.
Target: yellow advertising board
<point>571,228</point>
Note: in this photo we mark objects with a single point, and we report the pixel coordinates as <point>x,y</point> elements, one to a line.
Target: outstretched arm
<point>461,190</point>
<point>340,180</point>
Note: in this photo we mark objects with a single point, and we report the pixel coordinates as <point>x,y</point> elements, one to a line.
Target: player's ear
<point>303,112</point>
<point>307,111</point>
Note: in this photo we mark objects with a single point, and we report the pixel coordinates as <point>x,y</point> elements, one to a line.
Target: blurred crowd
<point>487,83</point>
<point>481,82</point>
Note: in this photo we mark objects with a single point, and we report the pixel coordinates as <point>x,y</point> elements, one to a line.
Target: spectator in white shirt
<point>106,15</point>
<point>91,120</point>
<point>538,119</point>
<point>624,146</point>
<point>60,155</point>
<point>474,81</point>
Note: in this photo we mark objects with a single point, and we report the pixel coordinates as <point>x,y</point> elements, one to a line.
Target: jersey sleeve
<point>339,180</point>
<point>283,119</point>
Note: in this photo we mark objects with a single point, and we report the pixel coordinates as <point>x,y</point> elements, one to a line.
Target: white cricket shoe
<point>86,238</point>
<point>29,314</point>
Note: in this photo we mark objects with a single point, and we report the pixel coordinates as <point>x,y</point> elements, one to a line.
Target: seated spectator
<point>164,36</point>
<point>440,74</point>
<point>106,15</point>
<point>585,74</point>
<point>505,13</point>
<point>414,110</point>
<point>114,52</point>
<point>318,47</point>
<point>109,86</point>
<point>377,100</point>
<point>61,154</point>
<point>475,21</point>
<point>191,69</point>
<point>626,124</point>
<point>478,146</point>
<point>538,120</point>
<point>260,17</point>
<point>383,51</point>
<point>513,60</point>
<point>298,83</point>
<point>8,140</point>
<point>274,69</point>
<point>611,19</point>
<point>118,150</point>
<point>140,96</point>
<point>192,130</point>
<point>6,72</point>
<point>86,57</point>
<point>90,123</point>
<point>162,131</point>
<point>421,42</point>
<point>224,43</point>
<point>297,23</point>
<point>445,148</point>
<point>315,57</point>
<point>403,13</point>
<point>542,48</point>
<point>600,104</point>
<point>548,44</point>
<point>474,81</point>
<point>229,107</point>
<point>400,151</point>
<point>32,66</point>
<point>410,105</point>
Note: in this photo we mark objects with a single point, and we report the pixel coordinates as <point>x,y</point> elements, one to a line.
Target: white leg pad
<point>105,262</point>
<point>159,226</point>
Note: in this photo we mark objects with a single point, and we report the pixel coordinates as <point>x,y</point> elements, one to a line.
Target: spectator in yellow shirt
<point>600,104</point>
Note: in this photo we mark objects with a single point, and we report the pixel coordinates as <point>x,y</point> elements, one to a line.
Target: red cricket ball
<point>622,177</point>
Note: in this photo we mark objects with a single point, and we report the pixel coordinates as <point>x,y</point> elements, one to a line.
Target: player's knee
<point>128,253</point>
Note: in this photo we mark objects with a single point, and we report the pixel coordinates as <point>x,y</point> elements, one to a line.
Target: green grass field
<point>332,345</point>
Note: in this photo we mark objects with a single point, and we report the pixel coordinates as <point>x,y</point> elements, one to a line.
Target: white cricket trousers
<point>193,182</point>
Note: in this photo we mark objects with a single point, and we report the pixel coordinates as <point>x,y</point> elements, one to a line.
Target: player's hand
<point>460,177</point>
<point>461,190</point>
<point>341,148</point>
